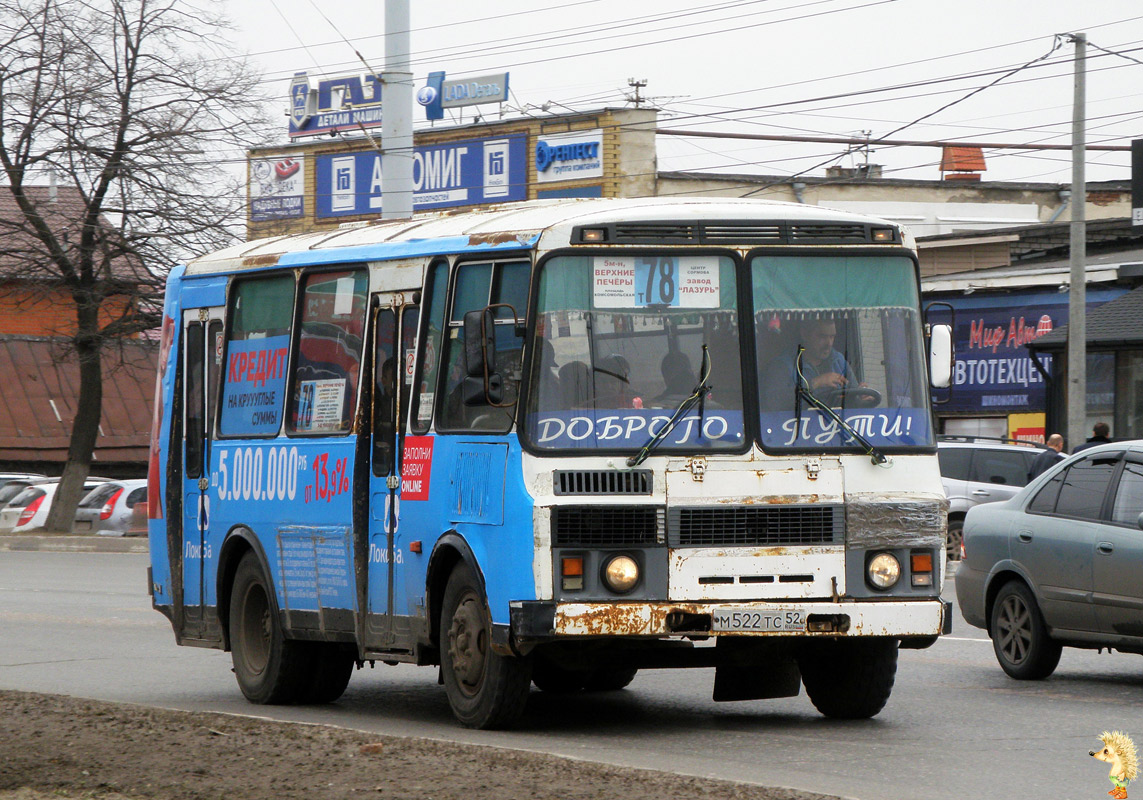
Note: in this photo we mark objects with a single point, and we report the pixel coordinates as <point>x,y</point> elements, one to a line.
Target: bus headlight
<point>884,571</point>
<point>621,573</point>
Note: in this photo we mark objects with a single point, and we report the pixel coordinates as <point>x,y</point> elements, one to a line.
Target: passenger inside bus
<point>678,378</point>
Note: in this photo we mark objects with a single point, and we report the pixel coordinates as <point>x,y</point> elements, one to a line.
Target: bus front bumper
<point>906,619</point>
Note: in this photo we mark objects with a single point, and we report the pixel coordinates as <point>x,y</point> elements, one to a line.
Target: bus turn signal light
<point>922,564</point>
<point>571,570</point>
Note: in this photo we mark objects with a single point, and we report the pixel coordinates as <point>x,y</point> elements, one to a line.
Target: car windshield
<point>620,340</point>
<point>845,330</point>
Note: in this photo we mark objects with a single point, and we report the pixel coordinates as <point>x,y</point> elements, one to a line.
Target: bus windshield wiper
<point>802,392</point>
<point>696,396</point>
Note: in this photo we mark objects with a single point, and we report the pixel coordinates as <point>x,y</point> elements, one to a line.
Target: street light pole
<point>1077,299</point>
<point>397,120</point>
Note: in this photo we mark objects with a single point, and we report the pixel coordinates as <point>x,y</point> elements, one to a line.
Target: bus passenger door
<point>202,361</point>
<point>394,335</point>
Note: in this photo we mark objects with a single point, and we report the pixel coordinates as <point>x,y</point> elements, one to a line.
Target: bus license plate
<point>743,620</point>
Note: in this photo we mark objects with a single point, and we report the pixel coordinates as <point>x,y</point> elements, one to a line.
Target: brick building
<point>37,318</point>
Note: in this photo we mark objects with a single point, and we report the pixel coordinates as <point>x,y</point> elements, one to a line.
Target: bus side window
<point>213,355</point>
<point>194,404</point>
<point>323,395</point>
<point>479,285</point>
<point>436,286</point>
<point>409,319</point>
<point>385,371</point>
<point>257,356</point>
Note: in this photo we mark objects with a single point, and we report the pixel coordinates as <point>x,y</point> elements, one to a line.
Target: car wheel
<point>849,679</point>
<point>1019,636</point>
<point>270,668</point>
<point>485,689</point>
<point>954,537</point>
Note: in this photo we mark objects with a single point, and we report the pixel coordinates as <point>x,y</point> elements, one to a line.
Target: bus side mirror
<point>481,384</point>
<point>940,356</point>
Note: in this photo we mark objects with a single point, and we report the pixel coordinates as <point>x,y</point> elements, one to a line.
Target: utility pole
<point>397,122</point>
<point>1077,298</point>
<point>637,85</point>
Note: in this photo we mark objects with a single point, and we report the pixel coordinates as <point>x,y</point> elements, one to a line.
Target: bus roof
<point>504,227</point>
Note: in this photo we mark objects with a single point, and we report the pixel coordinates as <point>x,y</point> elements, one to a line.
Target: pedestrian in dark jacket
<point>1100,435</point>
<point>1047,459</point>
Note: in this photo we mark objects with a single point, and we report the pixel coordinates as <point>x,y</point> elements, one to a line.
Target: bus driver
<point>825,370</point>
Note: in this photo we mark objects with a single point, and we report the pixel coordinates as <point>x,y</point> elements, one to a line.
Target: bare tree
<point>128,111</point>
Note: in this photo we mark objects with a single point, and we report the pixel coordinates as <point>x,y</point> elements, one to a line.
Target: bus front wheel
<point>849,679</point>
<point>485,689</point>
<point>270,668</point>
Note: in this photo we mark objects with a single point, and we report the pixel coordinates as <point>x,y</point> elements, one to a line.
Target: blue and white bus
<point>554,443</point>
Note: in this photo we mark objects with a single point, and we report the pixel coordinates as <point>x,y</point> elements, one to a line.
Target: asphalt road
<point>956,727</point>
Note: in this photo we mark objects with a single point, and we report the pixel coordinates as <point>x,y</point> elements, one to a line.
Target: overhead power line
<point>883,142</point>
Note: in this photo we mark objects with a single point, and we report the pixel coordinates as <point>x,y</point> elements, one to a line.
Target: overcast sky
<point>798,67</point>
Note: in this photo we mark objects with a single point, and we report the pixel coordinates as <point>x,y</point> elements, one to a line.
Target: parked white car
<point>28,511</point>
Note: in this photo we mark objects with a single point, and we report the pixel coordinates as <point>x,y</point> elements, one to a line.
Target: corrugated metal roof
<point>1117,322</point>
<point>41,386</point>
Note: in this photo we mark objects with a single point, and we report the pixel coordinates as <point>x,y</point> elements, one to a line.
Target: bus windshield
<point>620,343</point>
<point>841,332</point>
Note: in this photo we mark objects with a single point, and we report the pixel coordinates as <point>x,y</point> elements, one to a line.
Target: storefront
<point>1114,368</point>
<point>997,388</point>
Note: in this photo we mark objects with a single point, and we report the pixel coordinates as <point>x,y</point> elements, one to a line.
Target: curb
<point>70,543</point>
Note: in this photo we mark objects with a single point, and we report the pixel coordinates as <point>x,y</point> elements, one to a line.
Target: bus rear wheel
<point>332,667</point>
<point>270,668</point>
<point>849,679</point>
<point>485,689</point>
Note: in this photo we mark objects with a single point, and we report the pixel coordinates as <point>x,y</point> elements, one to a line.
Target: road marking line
<point>963,639</point>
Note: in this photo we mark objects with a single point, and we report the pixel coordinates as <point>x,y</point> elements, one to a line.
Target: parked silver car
<point>977,470</point>
<point>109,509</point>
<point>1059,564</point>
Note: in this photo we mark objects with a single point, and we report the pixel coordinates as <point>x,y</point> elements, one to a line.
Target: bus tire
<point>270,669</point>
<point>849,679</point>
<point>610,680</point>
<point>332,668</point>
<point>554,679</point>
<point>486,690</point>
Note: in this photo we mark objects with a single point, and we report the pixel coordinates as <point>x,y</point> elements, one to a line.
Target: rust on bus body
<point>262,260</point>
<point>475,239</point>
<point>771,500</point>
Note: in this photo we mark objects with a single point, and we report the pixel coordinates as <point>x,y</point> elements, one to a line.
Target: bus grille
<point>764,526</point>
<point>607,526</point>
<point>602,481</point>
